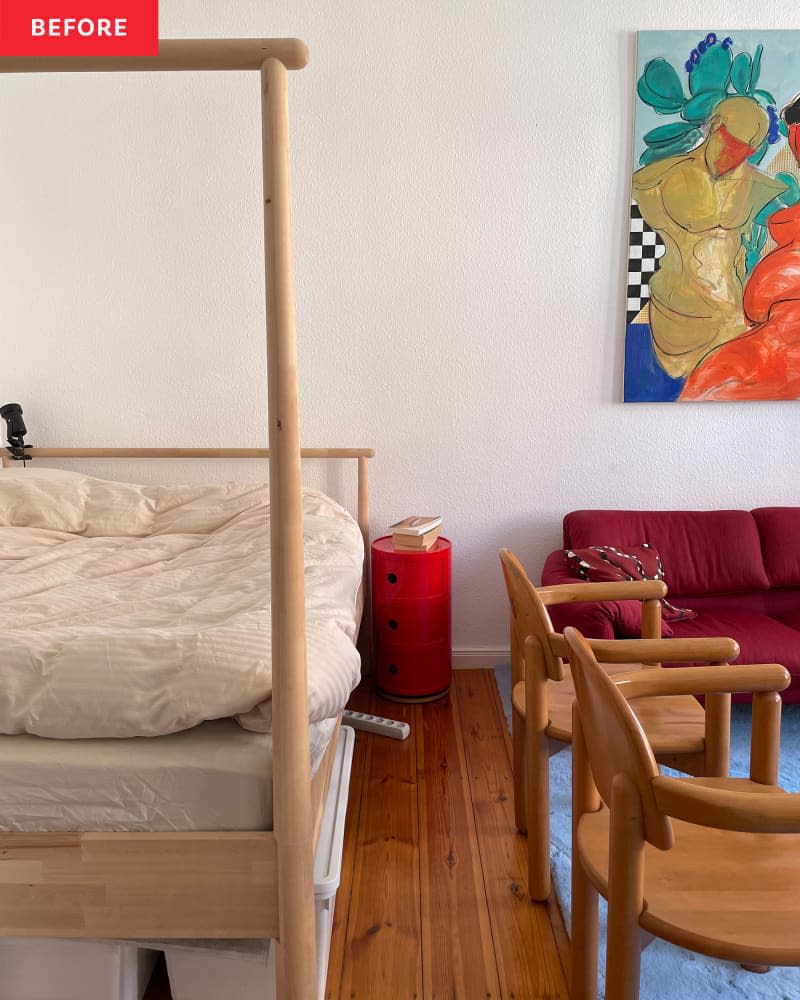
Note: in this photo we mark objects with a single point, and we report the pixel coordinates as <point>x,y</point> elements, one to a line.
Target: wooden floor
<point>433,902</point>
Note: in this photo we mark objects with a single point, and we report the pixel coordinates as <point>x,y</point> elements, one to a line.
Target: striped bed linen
<point>144,610</point>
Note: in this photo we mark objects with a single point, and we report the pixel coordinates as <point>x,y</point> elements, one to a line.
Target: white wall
<point>460,175</point>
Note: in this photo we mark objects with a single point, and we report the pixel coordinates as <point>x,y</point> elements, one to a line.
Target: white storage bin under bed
<point>205,974</point>
<point>45,969</point>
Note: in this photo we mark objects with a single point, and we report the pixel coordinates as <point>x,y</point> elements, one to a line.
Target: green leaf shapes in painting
<point>660,87</point>
<point>785,199</point>
<point>664,135</point>
<point>740,73</point>
<point>679,144</point>
<point>755,246</point>
<point>791,195</point>
<point>765,97</point>
<point>759,154</point>
<point>698,109</point>
<point>755,72</point>
<point>712,72</point>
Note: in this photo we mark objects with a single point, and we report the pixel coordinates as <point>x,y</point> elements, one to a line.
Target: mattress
<point>216,776</point>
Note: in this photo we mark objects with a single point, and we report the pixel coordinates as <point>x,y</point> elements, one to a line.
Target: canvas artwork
<point>713,299</point>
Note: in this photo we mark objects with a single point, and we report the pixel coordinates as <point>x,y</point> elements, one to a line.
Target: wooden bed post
<point>296,951</point>
<point>365,639</point>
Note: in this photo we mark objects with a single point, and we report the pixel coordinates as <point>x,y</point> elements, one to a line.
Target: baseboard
<point>475,659</point>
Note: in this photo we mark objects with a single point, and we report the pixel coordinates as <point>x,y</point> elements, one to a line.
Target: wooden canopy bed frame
<point>211,885</point>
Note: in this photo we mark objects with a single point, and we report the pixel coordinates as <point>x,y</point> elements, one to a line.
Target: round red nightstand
<point>411,620</point>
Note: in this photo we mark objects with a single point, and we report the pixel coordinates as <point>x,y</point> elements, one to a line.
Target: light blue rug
<point>669,972</point>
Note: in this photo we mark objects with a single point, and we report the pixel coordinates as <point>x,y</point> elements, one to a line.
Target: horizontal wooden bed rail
<point>174,54</point>
<point>134,885</point>
<point>190,453</point>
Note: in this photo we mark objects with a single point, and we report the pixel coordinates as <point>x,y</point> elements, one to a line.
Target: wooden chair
<point>681,733</point>
<point>710,864</point>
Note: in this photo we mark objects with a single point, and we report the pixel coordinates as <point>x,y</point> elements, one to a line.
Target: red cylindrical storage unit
<point>411,618</point>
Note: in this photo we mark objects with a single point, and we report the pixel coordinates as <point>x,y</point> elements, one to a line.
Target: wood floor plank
<point>553,908</point>
<point>527,957</point>
<point>383,956</point>
<point>457,949</point>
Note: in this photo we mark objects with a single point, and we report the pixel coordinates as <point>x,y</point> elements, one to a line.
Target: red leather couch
<point>739,570</point>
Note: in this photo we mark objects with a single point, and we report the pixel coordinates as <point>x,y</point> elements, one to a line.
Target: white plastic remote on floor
<point>376,724</point>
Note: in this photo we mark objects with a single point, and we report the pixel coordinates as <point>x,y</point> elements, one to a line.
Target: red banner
<point>78,27</point>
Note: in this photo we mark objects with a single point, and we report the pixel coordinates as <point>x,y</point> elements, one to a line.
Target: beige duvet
<point>144,610</point>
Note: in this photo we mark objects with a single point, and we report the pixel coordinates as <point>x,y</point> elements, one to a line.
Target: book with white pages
<point>416,524</point>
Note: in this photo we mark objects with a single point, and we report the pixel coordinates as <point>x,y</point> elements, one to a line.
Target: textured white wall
<point>460,175</point>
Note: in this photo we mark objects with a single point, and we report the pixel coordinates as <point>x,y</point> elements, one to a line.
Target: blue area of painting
<point>645,379</point>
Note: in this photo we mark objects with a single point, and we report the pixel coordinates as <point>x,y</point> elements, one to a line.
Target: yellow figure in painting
<point>701,203</point>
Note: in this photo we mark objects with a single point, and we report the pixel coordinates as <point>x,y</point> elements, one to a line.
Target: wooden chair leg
<point>585,918</point>
<point>518,750</point>
<point>585,923</point>
<point>765,740</point>
<point>537,772</point>
<point>531,753</point>
<point>625,891</point>
<point>718,735</point>
<point>537,798</point>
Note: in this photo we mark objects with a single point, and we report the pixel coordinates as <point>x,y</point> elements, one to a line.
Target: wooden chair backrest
<point>528,617</point>
<point>615,740</point>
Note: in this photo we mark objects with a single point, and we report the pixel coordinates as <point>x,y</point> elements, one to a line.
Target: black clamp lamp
<point>15,432</point>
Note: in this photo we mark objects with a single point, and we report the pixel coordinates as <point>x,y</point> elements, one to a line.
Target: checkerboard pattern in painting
<point>644,250</point>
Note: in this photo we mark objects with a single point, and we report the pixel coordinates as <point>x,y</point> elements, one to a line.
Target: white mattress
<point>216,776</point>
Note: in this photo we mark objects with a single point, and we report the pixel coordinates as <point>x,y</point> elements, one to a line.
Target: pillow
<point>606,564</point>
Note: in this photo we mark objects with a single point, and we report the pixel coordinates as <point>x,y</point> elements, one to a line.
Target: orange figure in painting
<point>701,203</point>
<point>763,363</point>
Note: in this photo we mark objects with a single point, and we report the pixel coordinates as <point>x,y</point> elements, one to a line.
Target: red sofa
<point>739,570</point>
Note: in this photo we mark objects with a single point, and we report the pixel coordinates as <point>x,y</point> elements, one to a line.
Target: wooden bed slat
<point>118,885</point>
<point>174,54</point>
<point>191,453</point>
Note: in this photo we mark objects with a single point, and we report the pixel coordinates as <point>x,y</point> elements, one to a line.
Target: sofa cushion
<point>605,563</point>
<point>703,552</point>
<point>779,528</point>
<point>792,620</point>
<point>761,639</point>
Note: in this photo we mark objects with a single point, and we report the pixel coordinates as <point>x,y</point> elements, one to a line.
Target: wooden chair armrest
<point>724,809</point>
<point>713,650</point>
<point>726,679</point>
<point>709,650</point>
<point>625,590</point>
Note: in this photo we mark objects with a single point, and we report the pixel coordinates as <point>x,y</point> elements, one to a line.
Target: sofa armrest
<point>595,619</point>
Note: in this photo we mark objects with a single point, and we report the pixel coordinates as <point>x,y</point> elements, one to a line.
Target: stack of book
<point>415,533</point>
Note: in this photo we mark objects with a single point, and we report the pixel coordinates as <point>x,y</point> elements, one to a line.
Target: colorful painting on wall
<point>713,302</point>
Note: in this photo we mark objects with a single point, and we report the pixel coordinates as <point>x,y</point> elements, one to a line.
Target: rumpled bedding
<point>144,610</point>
